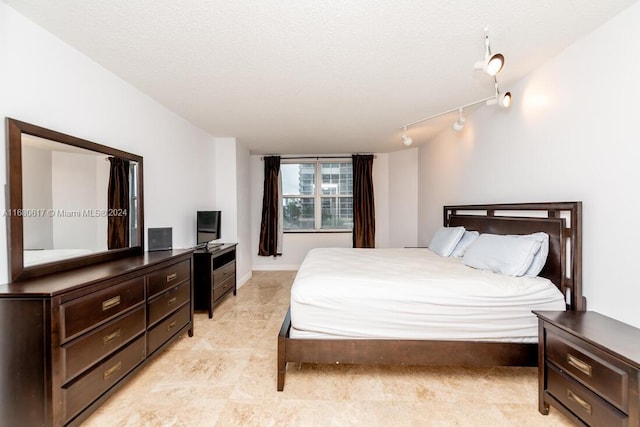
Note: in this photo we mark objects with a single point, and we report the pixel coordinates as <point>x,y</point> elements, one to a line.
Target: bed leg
<point>282,363</point>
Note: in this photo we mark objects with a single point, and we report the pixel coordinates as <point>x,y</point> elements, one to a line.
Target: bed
<point>433,344</point>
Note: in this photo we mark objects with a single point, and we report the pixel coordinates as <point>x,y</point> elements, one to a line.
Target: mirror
<point>72,202</point>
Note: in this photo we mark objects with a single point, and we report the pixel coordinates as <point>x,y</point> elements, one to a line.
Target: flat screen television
<point>208,226</point>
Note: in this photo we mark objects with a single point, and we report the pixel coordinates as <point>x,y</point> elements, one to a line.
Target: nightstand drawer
<point>221,288</point>
<point>223,273</point>
<point>590,366</point>
<point>581,401</point>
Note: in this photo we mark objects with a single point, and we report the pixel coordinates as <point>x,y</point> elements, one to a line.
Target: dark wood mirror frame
<point>15,129</point>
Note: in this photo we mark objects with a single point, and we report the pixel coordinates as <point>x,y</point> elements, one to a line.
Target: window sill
<point>317,231</point>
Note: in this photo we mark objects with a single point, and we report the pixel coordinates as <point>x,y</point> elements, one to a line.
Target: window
<point>317,196</point>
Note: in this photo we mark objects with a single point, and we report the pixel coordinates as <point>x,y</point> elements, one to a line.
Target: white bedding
<point>41,256</point>
<point>413,294</point>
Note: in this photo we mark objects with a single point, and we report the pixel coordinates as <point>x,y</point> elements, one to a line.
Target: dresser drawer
<point>169,301</point>
<point>592,367</point>
<point>90,348</point>
<point>581,401</point>
<point>167,328</point>
<point>86,389</point>
<point>223,273</point>
<point>168,277</point>
<point>81,314</point>
<point>220,288</point>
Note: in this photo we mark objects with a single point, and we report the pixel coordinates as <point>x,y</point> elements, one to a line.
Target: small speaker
<point>160,239</point>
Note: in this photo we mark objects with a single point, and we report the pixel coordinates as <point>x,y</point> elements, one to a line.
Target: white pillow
<point>506,255</point>
<point>467,238</point>
<point>540,258</point>
<point>445,240</point>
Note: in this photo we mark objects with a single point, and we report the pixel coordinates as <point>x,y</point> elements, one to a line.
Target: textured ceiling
<point>311,76</point>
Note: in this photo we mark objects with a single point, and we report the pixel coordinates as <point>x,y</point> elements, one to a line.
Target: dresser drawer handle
<point>580,401</point>
<point>583,367</point>
<point>172,300</point>
<point>112,370</point>
<point>112,336</point>
<point>171,277</point>
<point>110,303</point>
<point>171,325</point>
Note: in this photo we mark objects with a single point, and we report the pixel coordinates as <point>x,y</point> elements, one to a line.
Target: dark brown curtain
<point>118,204</point>
<point>364,215</point>
<point>269,228</point>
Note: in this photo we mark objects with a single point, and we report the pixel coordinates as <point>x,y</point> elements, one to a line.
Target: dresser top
<point>605,333</point>
<point>54,284</point>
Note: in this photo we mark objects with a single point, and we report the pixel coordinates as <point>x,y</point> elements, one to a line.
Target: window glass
<point>317,196</point>
<point>298,179</point>
<point>298,213</point>
<point>337,213</point>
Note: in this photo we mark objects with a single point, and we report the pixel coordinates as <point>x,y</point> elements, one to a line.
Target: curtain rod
<point>315,157</point>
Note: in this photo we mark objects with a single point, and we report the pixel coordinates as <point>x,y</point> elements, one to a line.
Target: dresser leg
<point>543,407</point>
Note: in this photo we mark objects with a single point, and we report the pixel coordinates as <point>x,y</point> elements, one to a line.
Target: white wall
<point>393,196</point>
<point>572,134</point>
<point>243,188</point>
<point>38,230</point>
<point>403,198</point>
<point>46,82</point>
<point>232,198</point>
<point>78,172</point>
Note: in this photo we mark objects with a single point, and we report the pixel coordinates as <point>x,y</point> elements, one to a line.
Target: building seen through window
<point>317,196</point>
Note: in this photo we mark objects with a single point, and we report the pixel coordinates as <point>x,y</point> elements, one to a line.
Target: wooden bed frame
<point>562,221</point>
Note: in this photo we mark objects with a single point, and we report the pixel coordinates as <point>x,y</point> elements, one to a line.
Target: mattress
<point>412,293</point>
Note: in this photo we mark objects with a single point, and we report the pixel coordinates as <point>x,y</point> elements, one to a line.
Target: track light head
<point>491,64</point>
<point>406,140</point>
<point>505,99</point>
<point>458,125</point>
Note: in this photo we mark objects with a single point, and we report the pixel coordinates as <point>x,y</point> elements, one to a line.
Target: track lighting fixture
<point>458,125</point>
<point>503,100</point>
<point>406,140</point>
<point>491,64</point>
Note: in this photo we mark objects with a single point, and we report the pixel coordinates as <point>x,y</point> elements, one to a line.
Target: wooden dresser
<point>214,275</point>
<point>589,368</point>
<point>69,340</point>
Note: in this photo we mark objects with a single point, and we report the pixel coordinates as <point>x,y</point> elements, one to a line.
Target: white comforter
<point>413,294</point>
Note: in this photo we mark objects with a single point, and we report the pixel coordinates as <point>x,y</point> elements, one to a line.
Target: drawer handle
<point>171,325</point>
<point>112,336</point>
<point>172,300</point>
<point>110,303</point>
<point>583,367</point>
<point>171,277</point>
<point>580,401</point>
<point>112,370</point>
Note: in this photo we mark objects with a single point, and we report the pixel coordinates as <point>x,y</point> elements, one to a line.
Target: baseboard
<point>276,267</point>
<point>244,279</point>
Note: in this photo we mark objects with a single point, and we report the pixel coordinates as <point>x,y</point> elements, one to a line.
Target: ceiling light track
<point>492,64</point>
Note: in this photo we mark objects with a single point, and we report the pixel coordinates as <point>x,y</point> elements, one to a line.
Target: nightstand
<point>588,368</point>
<point>214,276</point>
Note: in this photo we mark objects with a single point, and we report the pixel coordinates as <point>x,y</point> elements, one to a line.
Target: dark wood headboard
<point>561,221</point>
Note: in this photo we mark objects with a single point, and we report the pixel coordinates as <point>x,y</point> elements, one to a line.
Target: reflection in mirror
<point>76,201</point>
<point>72,202</point>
